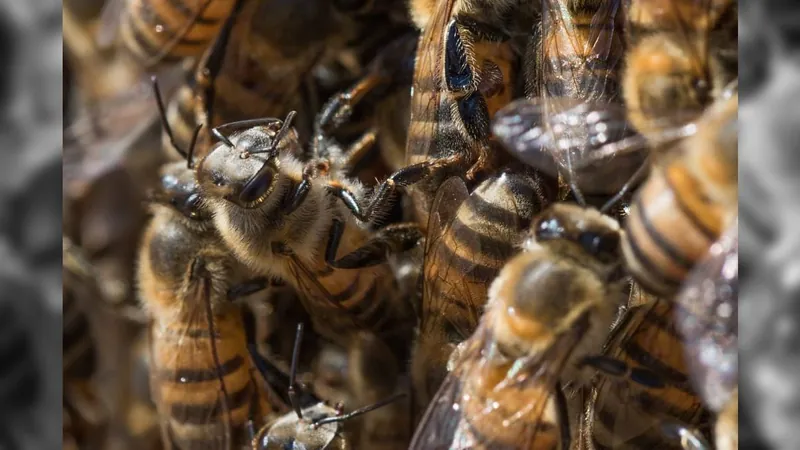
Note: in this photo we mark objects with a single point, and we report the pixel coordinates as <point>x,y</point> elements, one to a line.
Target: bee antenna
<point>627,186</point>
<point>360,411</point>
<point>190,153</point>
<point>162,113</point>
<point>293,373</point>
<point>287,123</point>
<point>222,137</point>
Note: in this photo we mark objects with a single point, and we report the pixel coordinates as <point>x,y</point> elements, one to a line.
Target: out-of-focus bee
<point>81,398</point>
<point>466,69</point>
<point>573,66</point>
<point>682,54</point>
<point>644,381</point>
<point>201,373</point>
<point>470,238</point>
<point>157,33</point>
<point>686,202</point>
<point>281,216</point>
<point>550,307</point>
<point>263,61</point>
<point>707,317</point>
<point>321,426</point>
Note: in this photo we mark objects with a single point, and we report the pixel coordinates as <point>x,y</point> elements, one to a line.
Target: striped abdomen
<point>357,299</point>
<point>670,227</point>
<point>482,237</point>
<point>627,415</point>
<point>180,115</point>
<point>582,54</point>
<point>499,414</point>
<point>187,388</point>
<point>167,31</point>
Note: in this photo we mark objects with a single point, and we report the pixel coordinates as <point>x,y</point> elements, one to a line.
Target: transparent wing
<point>192,403</point>
<point>427,86</point>
<point>110,20</point>
<point>449,197</point>
<point>490,391</point>
<point>631,412</point>
<point>707,318</point>
<point>102,133</point>
<point>581,60</point>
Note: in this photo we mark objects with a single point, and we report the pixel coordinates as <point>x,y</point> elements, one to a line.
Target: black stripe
<point>527,191</point>
<point>188,376</point>
<point>478,243</point>
<point>659,240</point>
<point>643,357</point>
<point>664,322</point>
<point>686,211</point>
<point>147,49</point>
<point>366,306</point>
<point>660,406</point>
<point>666,283</point>
<point>348,292</point>
<point>182,7</point>
<point>466,267</point>
<point>185,413</point>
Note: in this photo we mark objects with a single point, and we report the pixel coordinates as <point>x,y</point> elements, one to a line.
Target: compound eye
<point>603,246</point>
<point>192,206</point>
<point>549,228</point>
<point>257,186</point>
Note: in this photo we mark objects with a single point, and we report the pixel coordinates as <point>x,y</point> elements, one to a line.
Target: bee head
<point>291,432</point>
<point>243,169</point>
<point>580,232</point>
<point>670,80</point>
<point>179,189</point>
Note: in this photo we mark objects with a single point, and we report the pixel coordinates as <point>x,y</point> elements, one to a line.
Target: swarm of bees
<point>450,224</point>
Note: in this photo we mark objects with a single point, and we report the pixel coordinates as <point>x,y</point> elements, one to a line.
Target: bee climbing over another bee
<point>550,306</point>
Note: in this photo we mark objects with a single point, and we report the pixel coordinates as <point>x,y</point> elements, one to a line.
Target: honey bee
<point>573,67</point>
<point>682,54</point>
<point>282,218</point>
<point>320,426</point>
<point>685,203</point>
<point>550,306</point>
<point>466,68</point>
<point>79,350</point>
<point>644,381</point>
<point>201,371</point>
<point>159,33</point>
<point>707,318</point>
<point>470,238</point>
<point>263,61</point>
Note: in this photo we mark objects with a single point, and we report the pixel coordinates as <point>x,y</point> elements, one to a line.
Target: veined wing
<point>427,87</point>
<point>487,391</point>
<point>103,133</point>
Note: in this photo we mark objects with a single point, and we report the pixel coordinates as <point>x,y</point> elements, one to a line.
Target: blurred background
<point>30,219</point>
<point>769,114</point>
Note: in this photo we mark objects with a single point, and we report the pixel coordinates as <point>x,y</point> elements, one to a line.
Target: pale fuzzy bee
<point>550,306</point>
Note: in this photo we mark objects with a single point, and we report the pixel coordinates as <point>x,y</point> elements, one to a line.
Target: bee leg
<point>619,369</point>
<point>383,195</point>
<point>690,438</point>
<point>563,417</point>
<point>394,238</point>
<point>274,377</point>
<point>340,107</point>
<point>251,287</point>
<point>358,149</point>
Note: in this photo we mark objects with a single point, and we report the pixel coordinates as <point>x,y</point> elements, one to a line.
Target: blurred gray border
<point>30,199</point>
